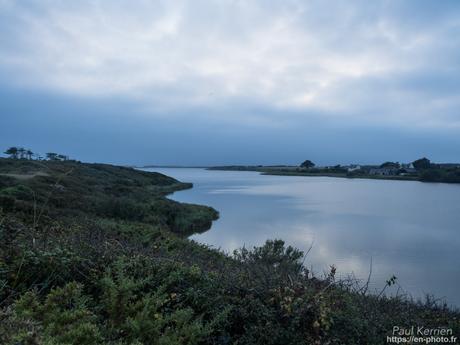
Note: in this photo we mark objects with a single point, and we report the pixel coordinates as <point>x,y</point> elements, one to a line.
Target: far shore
<point>371,177</point>
<point>314,172</point>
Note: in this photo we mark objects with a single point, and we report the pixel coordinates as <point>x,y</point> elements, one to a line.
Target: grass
<point>96,254</point>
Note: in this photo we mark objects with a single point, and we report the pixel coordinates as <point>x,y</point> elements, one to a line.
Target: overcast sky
<point>232,82</point>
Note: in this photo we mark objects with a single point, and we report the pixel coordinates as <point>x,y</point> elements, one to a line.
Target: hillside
<point>96,254</point>
<point>59,190</point>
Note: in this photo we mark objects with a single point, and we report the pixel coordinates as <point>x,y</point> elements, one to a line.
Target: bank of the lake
<point>442,173</point>
<point>338,175</point>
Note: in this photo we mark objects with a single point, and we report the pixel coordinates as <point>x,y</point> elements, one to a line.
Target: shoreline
<point>367,177</point>
<point>291,172</point>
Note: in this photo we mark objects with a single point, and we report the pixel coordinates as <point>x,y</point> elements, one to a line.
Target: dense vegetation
<point>95,254</point>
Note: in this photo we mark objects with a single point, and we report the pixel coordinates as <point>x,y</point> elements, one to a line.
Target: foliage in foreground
<point>80,276</point>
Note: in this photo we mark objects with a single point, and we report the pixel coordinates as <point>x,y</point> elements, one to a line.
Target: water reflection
<point>409,229</point>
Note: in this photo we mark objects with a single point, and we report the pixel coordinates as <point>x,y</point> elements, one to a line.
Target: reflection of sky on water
<point>409,229</point>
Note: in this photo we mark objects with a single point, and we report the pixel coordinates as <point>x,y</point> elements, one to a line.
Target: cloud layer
<point>245,63</point>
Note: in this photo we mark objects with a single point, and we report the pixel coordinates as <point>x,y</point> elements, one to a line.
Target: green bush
<point>20,192</point>
<point>151,303</point>
<point>7,202</point>
<point>64,316</point>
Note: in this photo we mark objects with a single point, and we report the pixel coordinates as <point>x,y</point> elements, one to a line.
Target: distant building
<point>408,171</point>
<point>407,168</point>
<point>353,167</point>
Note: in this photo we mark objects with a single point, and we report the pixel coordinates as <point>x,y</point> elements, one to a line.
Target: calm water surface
<point>409,229</point>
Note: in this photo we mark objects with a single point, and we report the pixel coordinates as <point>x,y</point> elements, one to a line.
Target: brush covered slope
<point>96,254</point>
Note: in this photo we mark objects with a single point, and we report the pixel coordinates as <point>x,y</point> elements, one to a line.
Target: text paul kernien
<point>421,331</point>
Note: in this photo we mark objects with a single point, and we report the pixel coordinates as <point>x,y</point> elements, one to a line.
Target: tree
<point>390,165</point>
<point>52,156</point>
<point>62,157</point>
<point>22,152</point>
<point>431,175</point>
<point>307,164</point>
<point>422,164</point>
<point>12,152</point>
<point>29,154</point>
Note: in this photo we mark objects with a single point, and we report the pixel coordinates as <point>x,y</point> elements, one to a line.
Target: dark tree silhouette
<point>390,165</point>
<point>62,157</point>
<point>22,152</point>
<point>12,152</point>
<point>52,156</point>
<point>307,164</point>
<point>29,154</point>
<point>422,164</point>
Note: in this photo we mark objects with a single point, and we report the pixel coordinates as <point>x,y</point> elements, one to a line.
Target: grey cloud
<point>233,75</point>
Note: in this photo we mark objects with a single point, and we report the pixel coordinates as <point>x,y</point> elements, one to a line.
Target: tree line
<point>419,164</point>
<point>15,152</point>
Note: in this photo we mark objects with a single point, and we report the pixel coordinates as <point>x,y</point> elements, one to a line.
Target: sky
<point>232,81</point>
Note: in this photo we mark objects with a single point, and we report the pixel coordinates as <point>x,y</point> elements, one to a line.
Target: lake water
<point>408,229</point>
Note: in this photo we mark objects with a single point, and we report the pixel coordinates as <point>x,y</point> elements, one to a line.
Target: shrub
<point>20,192</point>
<point>7,202</point>
<point>156,304</point>
<point>64,316</point>
<point>431,175</point>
